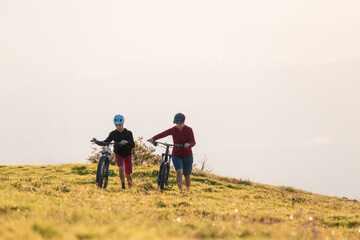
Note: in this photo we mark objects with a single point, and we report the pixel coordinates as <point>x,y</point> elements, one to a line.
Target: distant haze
<point>270,88</point>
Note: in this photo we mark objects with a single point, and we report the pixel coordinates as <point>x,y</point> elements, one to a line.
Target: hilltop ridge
<point>61,202</point>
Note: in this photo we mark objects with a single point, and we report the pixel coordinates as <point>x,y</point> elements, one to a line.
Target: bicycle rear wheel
<point>100,171</point>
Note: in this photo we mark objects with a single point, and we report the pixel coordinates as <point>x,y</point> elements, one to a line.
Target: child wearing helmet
<point>123,151</point>
<point>182,157</point>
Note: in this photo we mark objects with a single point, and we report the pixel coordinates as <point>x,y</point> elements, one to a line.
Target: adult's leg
<point>188,162</point>
<point>178,164</point>
<point>179,179</point>
<point>187,182</point>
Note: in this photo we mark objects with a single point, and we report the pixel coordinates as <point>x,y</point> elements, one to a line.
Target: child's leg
<point>129,180</point>
<point>120,163</point>
<point>122,174</point>
<point>128,170</point>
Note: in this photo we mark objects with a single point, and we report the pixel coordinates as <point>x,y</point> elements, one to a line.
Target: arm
<point>131,143</point>
<point>191,138</point>
<point>107,140</point>
<point>163,134</point>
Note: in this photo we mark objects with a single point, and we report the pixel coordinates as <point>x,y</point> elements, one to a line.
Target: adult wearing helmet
<point>182,157</point>
<point>123,151</point>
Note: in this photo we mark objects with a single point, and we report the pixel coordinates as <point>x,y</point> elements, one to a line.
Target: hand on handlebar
<point>152,141</point>
<point>93,140</point>
<point>123,142</point>
<point>186,145</point>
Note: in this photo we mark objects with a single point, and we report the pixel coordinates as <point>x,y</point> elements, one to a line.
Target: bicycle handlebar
<point>155,143</point>
<point>106,143</point>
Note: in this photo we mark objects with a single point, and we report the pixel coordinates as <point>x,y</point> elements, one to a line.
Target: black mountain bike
<point>163,173</point>
<point>102,173</point>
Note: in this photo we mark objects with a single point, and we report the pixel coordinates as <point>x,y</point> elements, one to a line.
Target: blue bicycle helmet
<point>179,118</point>
<point>119,119</point>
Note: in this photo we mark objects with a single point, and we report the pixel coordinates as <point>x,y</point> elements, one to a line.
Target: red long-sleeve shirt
<point>186,135</point>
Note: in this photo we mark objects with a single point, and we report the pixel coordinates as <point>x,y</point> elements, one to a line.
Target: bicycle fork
<point>105,170</point>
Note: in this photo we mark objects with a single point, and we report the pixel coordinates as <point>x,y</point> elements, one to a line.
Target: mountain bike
<point>163,173</point>
<point>102,173</point>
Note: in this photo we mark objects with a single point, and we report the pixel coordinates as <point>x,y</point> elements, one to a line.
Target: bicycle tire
<point>99,172</point>
<point>162,176</point>
<point>158,175</point>
<point>106,173</point>
<point>167,174</point>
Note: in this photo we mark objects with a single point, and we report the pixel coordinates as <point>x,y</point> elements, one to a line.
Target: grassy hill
<point>60,202</point>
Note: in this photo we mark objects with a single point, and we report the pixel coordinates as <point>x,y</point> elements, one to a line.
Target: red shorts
<point>120,160</point>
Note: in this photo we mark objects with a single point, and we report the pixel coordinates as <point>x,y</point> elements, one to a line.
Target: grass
<point>60,202</point>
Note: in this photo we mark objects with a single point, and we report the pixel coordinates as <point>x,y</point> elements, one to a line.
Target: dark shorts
<point>127,161</point>
<point>183,163</point>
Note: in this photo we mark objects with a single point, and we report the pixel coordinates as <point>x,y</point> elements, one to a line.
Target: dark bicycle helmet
<point>179,118</point>
<point>119,119</point>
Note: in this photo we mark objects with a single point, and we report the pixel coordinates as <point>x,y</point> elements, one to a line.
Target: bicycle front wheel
<point>100,171</point>
<point>162,176</point>
<point>106,172</point>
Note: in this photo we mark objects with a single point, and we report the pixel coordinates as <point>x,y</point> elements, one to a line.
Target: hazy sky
<point>270,88</point>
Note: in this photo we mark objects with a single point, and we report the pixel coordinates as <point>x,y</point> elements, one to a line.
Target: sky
<point>270,88</point>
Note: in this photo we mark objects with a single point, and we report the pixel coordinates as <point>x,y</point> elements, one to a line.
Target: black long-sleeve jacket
<point>116,136</point>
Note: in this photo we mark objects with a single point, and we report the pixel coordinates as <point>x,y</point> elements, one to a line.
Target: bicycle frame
<point>163,173</point>
<point>102,173</point>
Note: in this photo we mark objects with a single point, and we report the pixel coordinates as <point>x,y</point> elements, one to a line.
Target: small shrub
<point>182,204</point>
<point>289,189</point>
<point>17,185</point>
<point>65,189</point>
<point>37,184</point>
<point>146,186</point>
<point>45,232</point>
<point>81,170</point>
<point>143,154</point>
<point>203,167</point>
<point>161,204</point>
<point>85,236</point>
<point>353,224</point>
<point>246,233</point>
<point>244,182</point>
